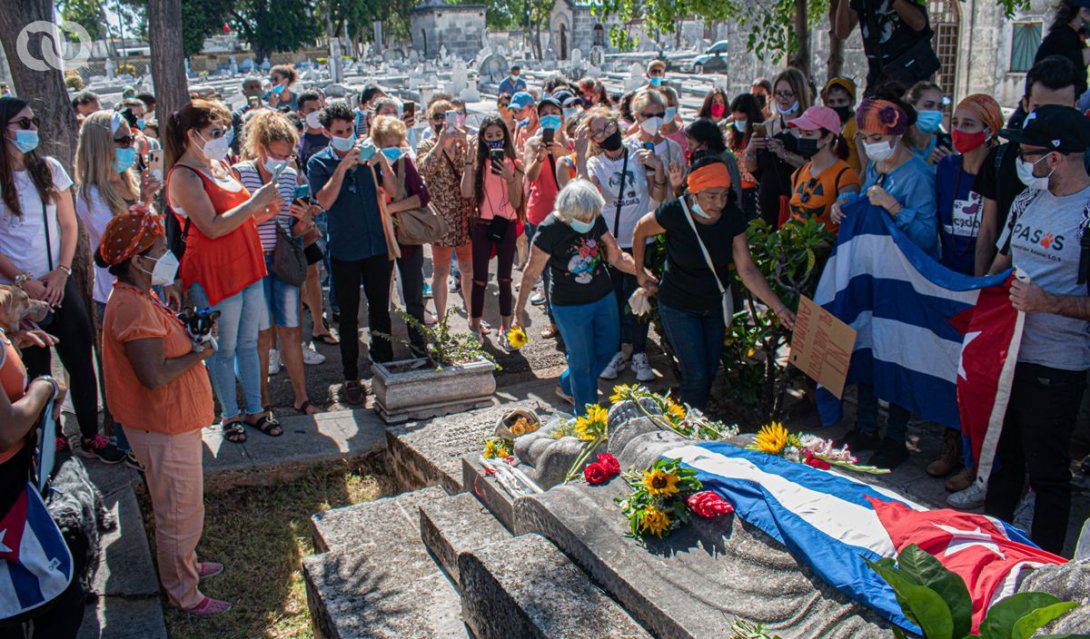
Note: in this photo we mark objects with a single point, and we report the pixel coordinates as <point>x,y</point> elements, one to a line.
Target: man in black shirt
<point>314,138</point>
<point>896,38</point>
<point>1065,38</point>
<point>1048,82</point>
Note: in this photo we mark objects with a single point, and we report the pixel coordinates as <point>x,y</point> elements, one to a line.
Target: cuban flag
<point>831,522</point>
<point>912,319</point>
<point>35,564</point>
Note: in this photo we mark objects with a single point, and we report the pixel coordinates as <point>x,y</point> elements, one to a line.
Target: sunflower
<point>660,482</point>
<point>772,438</point>
<point>655,522</point>
<point>489,449</point>
<point>622,392</point>
<point>517,338</point>
<point>593,425</point>
<point>675,410</point>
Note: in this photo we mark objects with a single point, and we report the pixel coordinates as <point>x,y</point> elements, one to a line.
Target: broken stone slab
<point>524,587</point>
<point>457,524</point>
<point>371,526</point>
<point>395,596</point>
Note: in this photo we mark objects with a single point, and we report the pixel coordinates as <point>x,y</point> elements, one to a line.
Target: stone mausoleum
<point>457,27</point>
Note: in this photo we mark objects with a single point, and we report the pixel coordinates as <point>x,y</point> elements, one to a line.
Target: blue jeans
<point>241,316</point>
<point>697,340</point>
<point>591,333</point>
<point>866,419</point>
<point>281,300</point>
<point>633,329</point>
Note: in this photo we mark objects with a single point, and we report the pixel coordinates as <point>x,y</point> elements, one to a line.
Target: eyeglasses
<point>124,141</point>
<point>787,95</point>
<point>26,123</point>
<point>658,114</point>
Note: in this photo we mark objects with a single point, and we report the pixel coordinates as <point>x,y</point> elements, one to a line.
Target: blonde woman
<point>773,156</point>
<point>269,142</point>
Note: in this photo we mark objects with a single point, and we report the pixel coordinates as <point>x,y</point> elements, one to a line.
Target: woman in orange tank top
<point>223,264</point>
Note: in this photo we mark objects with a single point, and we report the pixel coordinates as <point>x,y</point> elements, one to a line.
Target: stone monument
<point>109,69</point>
<point>636,77</point>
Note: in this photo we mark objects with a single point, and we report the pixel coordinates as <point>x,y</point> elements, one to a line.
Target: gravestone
<point>492,69</point>
<point>234,66</point>
<point>414,57</point>
<point>597,56</point>
<point>265,66</point>
<point>576,58</point>
<point>109,69</point>
<point>459,78</point>
<point>636,77</point>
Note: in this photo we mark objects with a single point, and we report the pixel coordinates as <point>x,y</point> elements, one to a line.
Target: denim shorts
<point>281,298</point>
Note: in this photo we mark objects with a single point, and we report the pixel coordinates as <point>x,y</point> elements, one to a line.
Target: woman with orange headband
<point>705,231</point>
<point>157,389</point>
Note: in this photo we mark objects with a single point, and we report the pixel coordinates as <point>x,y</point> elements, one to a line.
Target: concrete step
<point>456,525</point>
<point>524,587</point>
<point>376,578</point>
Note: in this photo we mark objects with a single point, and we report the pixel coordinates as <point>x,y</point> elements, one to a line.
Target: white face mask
<point>313,121</point>
<point>272,166</point>
<point>215,150</point>
<point>166,268</point>
<point>651,126</point>
<point>879,151</point>
<point>1025,173</point>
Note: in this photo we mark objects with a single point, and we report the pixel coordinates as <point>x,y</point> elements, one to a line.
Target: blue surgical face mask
<point>25,140</point>
<point>343,144</point>
<point>272,166</point>
<point>392,153</point>
<point>570,113</point>
<point>524,123</point>
<point>494,144</point>
<point>655,81</point>
<point>698,210</point>
<point>581,227</point>
<point>550,122</point>
<point>124,158</point>
<point>928,121</point>
<point>279,89</point>
<point>671,114</point>
<point>740,126</point>
<point>140,124</point>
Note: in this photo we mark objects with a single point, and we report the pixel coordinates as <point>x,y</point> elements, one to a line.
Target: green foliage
<point>275,25</point>
<point>88,14</point>
<point>938,602</point>
<point>1011,6</point>
<point>743,629</point>
<point>200,19</point>
<point>444,347</point>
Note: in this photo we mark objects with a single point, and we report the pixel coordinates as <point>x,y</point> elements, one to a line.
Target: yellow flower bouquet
<point>657,504</point>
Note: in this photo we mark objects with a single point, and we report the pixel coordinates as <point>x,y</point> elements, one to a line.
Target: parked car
<point>714,59</point>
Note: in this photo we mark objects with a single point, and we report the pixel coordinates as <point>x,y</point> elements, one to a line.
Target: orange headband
<point>709,176</point>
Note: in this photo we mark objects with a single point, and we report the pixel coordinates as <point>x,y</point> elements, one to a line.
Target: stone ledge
<point>455,525</point>
<point>524,587</point>
<point>373,526</point>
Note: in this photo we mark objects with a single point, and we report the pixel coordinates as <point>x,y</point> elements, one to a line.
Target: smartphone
<point>650,146</point>
<point>759,130</point>
<point>366,153</point>
<point>155,164</point>
<point>460,117</point>
<point>408,110</point>
<point>497,159</point>
<point>302,194</point>
<point>452,119</point>
<point>548,135</point>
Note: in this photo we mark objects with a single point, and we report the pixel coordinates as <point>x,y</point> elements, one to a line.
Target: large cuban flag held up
<point>831,522</point>
<point>912,317</point>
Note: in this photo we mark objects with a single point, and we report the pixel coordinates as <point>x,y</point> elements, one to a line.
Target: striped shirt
<point>251,179</point>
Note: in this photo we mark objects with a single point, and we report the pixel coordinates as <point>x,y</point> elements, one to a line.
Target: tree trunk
<point>167,56</point>
<point>801,58</point>
<point>834,66</point>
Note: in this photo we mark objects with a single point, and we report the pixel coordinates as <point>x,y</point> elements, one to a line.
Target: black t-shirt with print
<point>687,282</point>
<point>1000,183</point>
<point>892,37</point>
<point>577,261</point>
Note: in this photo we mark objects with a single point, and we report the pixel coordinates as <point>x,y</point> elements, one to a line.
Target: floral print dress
<point>443,175</point>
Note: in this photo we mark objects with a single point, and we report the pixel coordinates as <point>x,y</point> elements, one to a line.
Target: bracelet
<point>49,378</point>
<point>67,269</point>
<point>22,278</point>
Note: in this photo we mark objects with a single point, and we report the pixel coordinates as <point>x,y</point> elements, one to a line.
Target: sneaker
<point>209,607</point>
<point>538,298</point>
<point>427,290</point>
<point>455,285</point>
<point>99,447</point>
<point>857,441</point>
<point>274,362</point>
<point>209,569</point>
<point>1023,514</point>
<point>616,365</point>
<point>890,454</point>
<point>564,396</point>
<point>971,497</point>
<point>312,357</point>
<point>642,368</point>
<point>504,344</point>
<point>962,480</point>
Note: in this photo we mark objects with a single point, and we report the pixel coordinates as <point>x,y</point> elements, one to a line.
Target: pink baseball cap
<point>817,117</point>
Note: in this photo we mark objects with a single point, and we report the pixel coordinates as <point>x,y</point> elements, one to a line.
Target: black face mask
<point>844,112</point>
<point>808,147</point>
<point>612,143</point>
<point>438,128</point>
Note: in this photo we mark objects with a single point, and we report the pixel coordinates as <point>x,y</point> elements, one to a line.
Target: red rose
<point>817,462</point>
<point>610,463</point>
<point>596,474</point>
<point>708,504</point>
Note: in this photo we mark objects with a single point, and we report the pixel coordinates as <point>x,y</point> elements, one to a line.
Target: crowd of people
<point>291,203</point>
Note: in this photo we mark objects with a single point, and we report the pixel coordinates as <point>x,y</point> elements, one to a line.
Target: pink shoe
<point>206,569</point>
<point>209,607</point>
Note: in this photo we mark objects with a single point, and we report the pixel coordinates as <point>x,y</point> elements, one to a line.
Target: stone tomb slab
<point>458,524</point>
<point>373,525</point>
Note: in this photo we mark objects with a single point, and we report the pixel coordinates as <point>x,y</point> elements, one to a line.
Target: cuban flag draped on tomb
<point>831,522</point>
<point>913,317</point>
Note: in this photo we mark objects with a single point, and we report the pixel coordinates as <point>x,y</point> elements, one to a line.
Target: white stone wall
<point>460,28</point>
<point>1007,87</point>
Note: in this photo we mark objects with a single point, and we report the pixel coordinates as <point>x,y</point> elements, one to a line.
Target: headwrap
<point>984,108</point>
<point>843,83</point>
<point>129,234</point>
<point>709,176</point>
<point>881,116</point>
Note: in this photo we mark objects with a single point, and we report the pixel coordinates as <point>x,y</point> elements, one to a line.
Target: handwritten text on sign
<point>821,346</point>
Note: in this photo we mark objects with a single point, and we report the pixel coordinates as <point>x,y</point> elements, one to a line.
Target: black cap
<point>1057,128</point>
<point>549,100</point>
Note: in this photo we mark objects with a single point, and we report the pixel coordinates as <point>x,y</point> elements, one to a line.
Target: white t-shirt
<point>22,238</point>
<point>95,217</point>
<point>636,199</point>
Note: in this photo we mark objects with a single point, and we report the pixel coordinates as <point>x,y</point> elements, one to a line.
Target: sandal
<point>234,432</point>
<point>326,338</point>
<point>267,425</point>
<point>306,408</point>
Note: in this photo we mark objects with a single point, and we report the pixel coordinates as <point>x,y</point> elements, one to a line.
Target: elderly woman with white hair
<point>576,245</point>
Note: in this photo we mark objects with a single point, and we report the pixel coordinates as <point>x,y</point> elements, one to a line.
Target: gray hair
<point>579,200</point>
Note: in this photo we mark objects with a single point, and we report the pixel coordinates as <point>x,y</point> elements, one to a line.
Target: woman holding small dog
<point>158,390</point>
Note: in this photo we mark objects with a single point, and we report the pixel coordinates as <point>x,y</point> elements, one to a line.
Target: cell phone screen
<point>452,119</point>
<point>366,153</point>
<point>302,192</point>
<point>548,135</point>
<point>650,146</point>
<point>409,110</point>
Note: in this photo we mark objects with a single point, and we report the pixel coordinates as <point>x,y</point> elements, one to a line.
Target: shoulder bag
<point>289,261</point>
<point>417,226</point>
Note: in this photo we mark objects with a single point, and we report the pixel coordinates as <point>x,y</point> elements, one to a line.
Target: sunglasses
<point>658,114</point>
<point>26,123</point>
<point>785,94</point>
<point>124,141</point>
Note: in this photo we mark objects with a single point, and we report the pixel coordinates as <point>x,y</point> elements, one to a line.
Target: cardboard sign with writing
<point>821,346</point>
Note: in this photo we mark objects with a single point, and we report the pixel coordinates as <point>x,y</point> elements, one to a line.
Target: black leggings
<point>482,255</point>
<point>72,326</point>
<point>375,273</point>
<point>410,267</point>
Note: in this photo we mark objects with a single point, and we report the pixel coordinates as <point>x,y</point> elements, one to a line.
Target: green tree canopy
<point>275,25</point>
